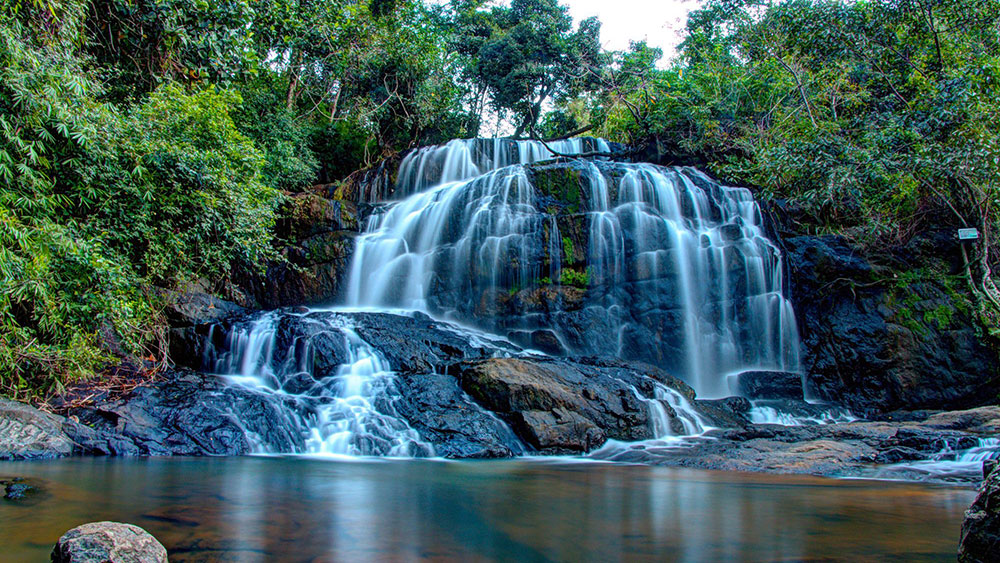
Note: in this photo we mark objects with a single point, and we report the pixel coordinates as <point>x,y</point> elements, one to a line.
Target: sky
<point>658,21</point>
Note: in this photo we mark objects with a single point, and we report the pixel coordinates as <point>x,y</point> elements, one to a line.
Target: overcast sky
<point>659,22</point>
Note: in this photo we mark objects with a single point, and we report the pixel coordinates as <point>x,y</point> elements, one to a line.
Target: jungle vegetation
<point>146,145</point>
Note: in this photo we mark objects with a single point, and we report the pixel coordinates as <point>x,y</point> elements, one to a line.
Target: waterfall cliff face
<point>582,256</point>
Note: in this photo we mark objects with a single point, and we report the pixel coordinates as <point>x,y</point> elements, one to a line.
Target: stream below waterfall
<point>300,509</point>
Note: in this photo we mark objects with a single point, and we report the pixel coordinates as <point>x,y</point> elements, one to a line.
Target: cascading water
<point>950,464</point>
<point>463,159</point>
<point>349,412</point>
<point>680,409</point>
<point>583,257</point>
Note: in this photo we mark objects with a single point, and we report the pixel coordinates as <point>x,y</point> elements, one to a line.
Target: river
<point>305,509</point>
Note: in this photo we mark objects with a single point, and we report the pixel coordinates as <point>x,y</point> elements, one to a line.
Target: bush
<point>97,203</point>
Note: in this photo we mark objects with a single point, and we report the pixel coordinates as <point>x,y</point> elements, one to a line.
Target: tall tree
<point>526,55</point>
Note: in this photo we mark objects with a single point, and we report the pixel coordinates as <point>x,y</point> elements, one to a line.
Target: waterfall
<point>348,412</point>
<point>462,159</point>
<point>583,256</point>
<point>668,405</point>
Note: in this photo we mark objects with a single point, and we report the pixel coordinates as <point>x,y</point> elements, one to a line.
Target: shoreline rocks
<point>863,449</point>
<point>28,433</point>
<point>980,540</point>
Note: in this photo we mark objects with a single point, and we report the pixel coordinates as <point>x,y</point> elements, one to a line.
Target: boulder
<point>980,540</point>
<point>28,433</point>
<point>185,309</point>
<point>108,542</point>
<point>562,406</point>
<point>768,385</point>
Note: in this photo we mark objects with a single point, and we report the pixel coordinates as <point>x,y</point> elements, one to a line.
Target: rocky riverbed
<point>474,398</point>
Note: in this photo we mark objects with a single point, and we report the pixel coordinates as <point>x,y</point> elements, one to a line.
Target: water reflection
<point>248,509</point>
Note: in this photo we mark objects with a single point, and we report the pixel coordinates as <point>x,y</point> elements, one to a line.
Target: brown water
<point>295,509</point>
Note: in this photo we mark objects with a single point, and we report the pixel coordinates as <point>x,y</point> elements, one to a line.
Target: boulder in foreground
<point>980,540</point>
<point>113,542</point>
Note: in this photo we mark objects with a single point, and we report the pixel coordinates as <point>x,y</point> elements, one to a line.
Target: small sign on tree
<point>968,234</point>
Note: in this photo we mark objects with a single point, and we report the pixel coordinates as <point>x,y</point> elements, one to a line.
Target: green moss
<point>568,249</point>
<point>576,278</point>
<point>940,315</point>
<point>562,183</point>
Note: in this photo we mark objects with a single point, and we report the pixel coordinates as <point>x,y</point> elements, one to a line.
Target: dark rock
<point>768,385</point>
<point>980,540</point>
<point>185,413</point>
<point>558,430</point>
<point>896,455</point>
<point>314,213</point>
<point>28,433</point>
<point>730,412</point>
<point>560,406</point>
<point>192,308</point>
<point>541,340</point>
<point>21,491</point>
<point>314,273</point>
<point>877,345</point>
<point>113,542</point>
<point>447,417</point>
<point>989,466</point>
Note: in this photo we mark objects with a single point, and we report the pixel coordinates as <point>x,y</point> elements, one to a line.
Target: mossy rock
<point>561,182</point>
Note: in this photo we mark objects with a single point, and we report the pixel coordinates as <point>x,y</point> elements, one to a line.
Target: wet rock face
<point>980,541</point>
<point>28,433</point>
<point>101,542</point>
<point>446,416</point>
<point>878,345</point>
<point>768,385</point>
<point>319,227</point>
<point>183,413</point>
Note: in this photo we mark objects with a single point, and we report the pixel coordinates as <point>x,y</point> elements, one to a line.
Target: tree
<point>527,54</point>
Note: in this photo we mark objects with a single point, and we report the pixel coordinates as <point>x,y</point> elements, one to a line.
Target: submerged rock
<point>980,541</point>
<point>108,542</point>
<point>21,491</point>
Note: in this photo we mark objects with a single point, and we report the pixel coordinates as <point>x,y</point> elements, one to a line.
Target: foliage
<point>98,202</point>
<point>569,276</point>
<point>199,204</point>
<point>139,44</point>
<point>526,54</point>
<point>60,287</point>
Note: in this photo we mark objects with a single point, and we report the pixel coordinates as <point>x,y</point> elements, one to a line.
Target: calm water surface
<point>295,509</point>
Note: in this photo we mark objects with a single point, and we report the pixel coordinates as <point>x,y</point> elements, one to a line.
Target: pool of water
<point>300,509</point>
